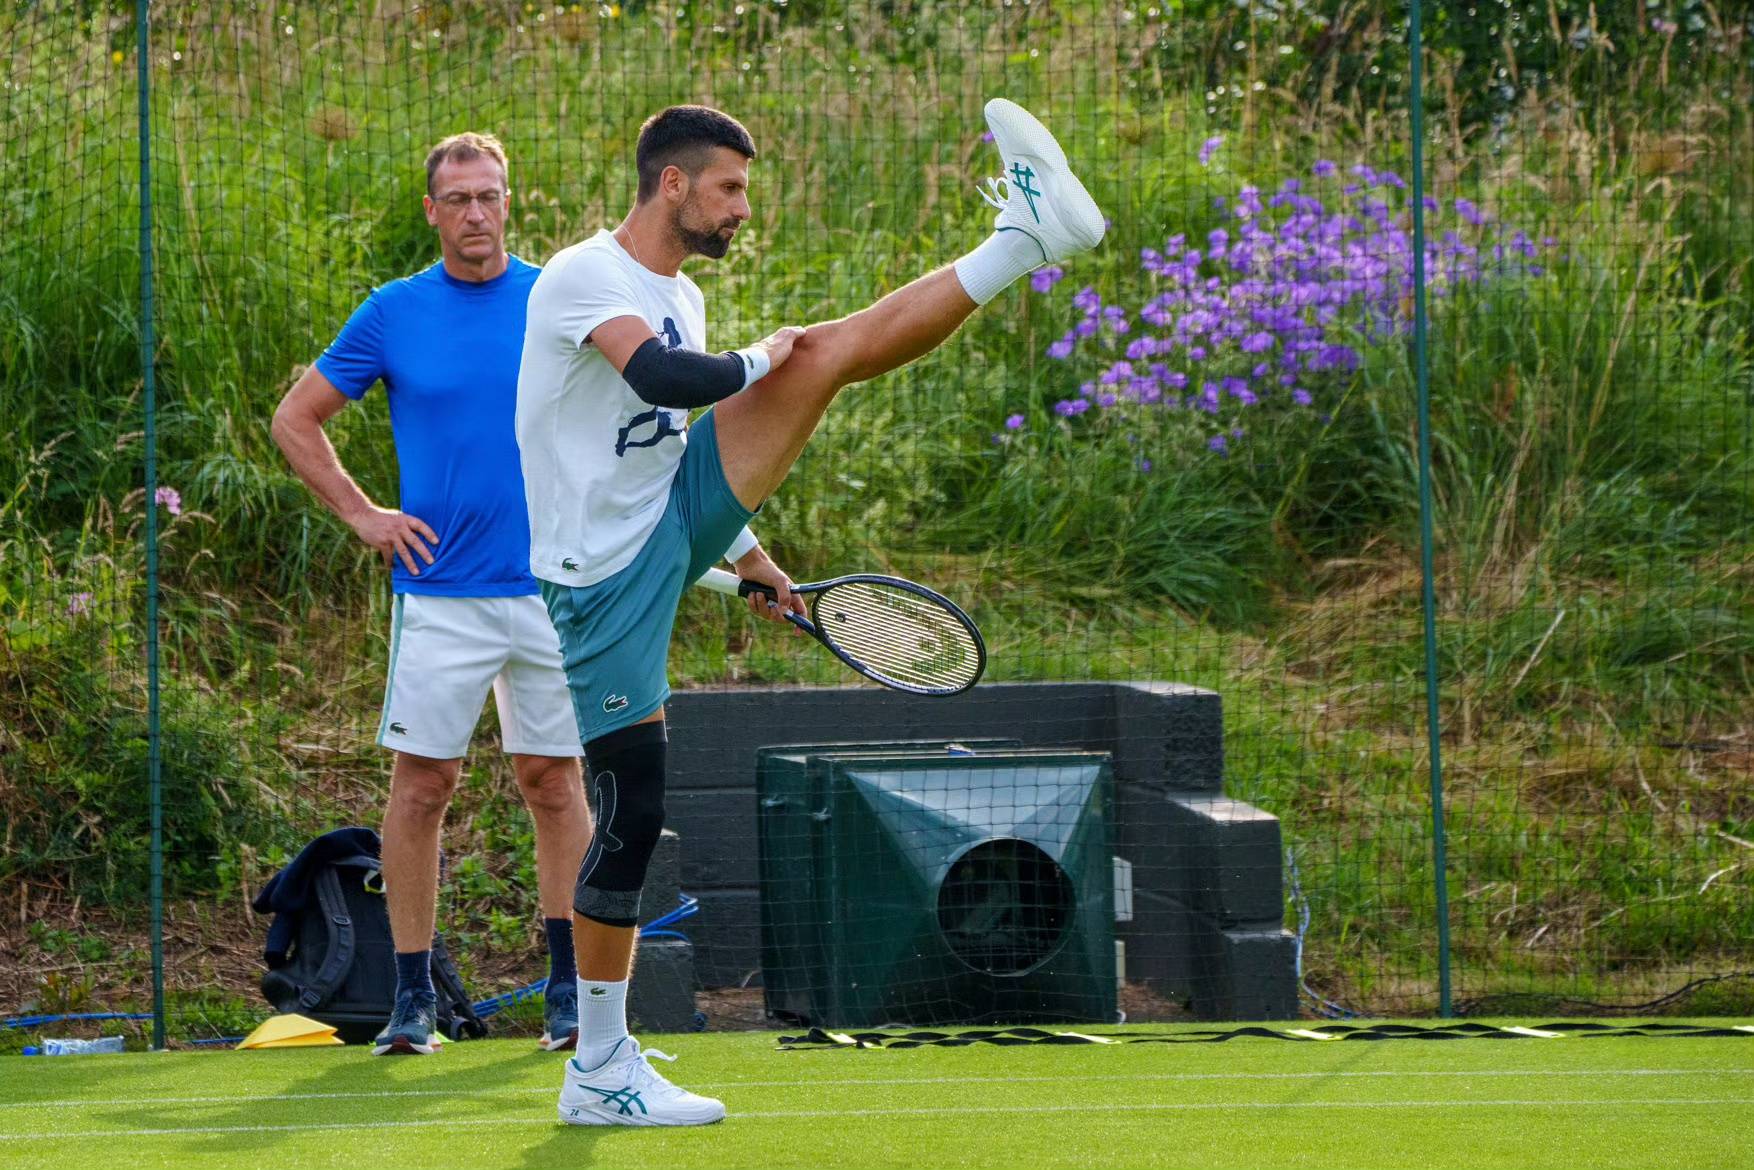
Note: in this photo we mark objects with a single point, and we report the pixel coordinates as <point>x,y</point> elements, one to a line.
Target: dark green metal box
<point>791,815</point>
<point>928,888</point>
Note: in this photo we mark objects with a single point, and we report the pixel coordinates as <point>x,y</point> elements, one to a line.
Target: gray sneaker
<point>560,1016</point>
<point>411,1027</point>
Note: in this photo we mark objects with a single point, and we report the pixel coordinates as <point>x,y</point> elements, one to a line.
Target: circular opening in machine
<point>1005,907</point>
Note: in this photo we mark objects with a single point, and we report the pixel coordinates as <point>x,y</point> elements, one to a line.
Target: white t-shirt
<point>598,459</point>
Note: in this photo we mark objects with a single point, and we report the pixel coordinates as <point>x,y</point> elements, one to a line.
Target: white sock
<point>1002,258</point>
<point>602,1019</point>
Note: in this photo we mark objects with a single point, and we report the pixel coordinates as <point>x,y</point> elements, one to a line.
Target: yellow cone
<point>290,1032</point>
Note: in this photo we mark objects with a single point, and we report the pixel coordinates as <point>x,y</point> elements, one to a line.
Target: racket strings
<point>900,635</point>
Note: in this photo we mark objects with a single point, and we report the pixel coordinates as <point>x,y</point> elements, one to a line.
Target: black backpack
<point>330,955</point>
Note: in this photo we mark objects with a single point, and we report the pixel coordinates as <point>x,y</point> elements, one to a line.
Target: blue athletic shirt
<point>447,351</point>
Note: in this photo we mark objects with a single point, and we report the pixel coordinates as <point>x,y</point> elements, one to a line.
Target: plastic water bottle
<point>75,1047</point>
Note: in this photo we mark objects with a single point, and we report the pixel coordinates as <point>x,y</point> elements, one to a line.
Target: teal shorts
<point>615,634</point>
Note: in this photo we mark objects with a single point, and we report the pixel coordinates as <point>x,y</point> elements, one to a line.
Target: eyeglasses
<point>460,200</point>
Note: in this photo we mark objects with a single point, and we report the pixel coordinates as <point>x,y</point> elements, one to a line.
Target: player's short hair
<point>462,148</point>
<point>684,136</point>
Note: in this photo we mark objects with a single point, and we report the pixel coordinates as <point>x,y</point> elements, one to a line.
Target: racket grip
<point>751,588</point>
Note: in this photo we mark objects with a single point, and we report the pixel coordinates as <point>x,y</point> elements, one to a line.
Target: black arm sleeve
<point>665,376</point>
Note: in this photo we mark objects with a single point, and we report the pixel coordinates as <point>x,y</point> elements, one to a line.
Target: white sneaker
<point>626,1090</point>
<point>1043,198</point>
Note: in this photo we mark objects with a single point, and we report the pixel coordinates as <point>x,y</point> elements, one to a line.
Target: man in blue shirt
<point>446,343</point>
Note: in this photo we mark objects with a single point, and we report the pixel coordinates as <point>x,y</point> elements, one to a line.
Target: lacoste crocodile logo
<point>614,703</point>
<point>398,729</point>
<point>569,565</point>
<point>597,991</point>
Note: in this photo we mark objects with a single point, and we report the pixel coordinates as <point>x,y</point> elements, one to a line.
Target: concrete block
<point>661,996</point>
<point>1217,856</point>
<point>1256,977</point>
<point>1169,734</point>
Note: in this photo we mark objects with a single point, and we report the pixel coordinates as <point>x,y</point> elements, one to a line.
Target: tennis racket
<point>892,631</point>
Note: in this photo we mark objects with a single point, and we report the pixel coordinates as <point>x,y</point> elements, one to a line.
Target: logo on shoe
<point>1021,178</point>
<point>614,703</point>
<point>398,729</point>
<point>569,565</point>
<point>624,1097</point>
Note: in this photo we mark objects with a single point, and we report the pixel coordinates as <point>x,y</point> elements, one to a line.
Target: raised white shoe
<point>626,1090</point>
<point>1042,197</point>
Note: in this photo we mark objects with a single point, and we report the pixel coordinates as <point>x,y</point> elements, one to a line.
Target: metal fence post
<point>1422,376</point>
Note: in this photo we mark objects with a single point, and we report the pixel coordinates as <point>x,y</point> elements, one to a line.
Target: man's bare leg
<point>762,430</point>
<point>420,792</point>
<point>554,792</point>
<point>553,788</point>
<point>1045,215</point>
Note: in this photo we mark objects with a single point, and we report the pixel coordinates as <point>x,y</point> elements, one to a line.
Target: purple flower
<point>1115,373</point>
<point>173,503</point>
<point>1273,298</point>
<point>79,603</point>
<point>1209,148</point>
<point>1014,423</point>
<point>986,135</point>
<point>1144,464</point>
<point>1044,278</point>
<point>1667,28</point>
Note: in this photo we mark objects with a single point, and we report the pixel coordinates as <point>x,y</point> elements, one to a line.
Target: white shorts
<point>444,654</point>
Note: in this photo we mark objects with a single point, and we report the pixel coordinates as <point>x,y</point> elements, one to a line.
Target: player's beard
<point>710,241</point>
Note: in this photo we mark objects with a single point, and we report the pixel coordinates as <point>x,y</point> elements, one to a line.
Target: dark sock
<point>561,969</point>
<point>414,972</point>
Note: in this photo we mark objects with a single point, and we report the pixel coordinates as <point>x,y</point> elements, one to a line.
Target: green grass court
<point>1615,1101</point>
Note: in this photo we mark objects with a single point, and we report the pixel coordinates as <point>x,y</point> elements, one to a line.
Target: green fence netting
<point>1192,457</point>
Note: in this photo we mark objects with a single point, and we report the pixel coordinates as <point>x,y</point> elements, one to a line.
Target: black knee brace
<point>627,774</point>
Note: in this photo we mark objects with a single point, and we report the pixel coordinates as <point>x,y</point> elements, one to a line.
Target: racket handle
<point>730,584</point>
<point>720,581</point>
<point>752,588</point>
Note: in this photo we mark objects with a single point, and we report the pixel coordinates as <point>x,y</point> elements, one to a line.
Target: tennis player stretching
<point>629,504</point>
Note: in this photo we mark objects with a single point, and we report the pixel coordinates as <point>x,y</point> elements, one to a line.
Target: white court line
<point>813,1083</point>
<point>929,1111</point>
